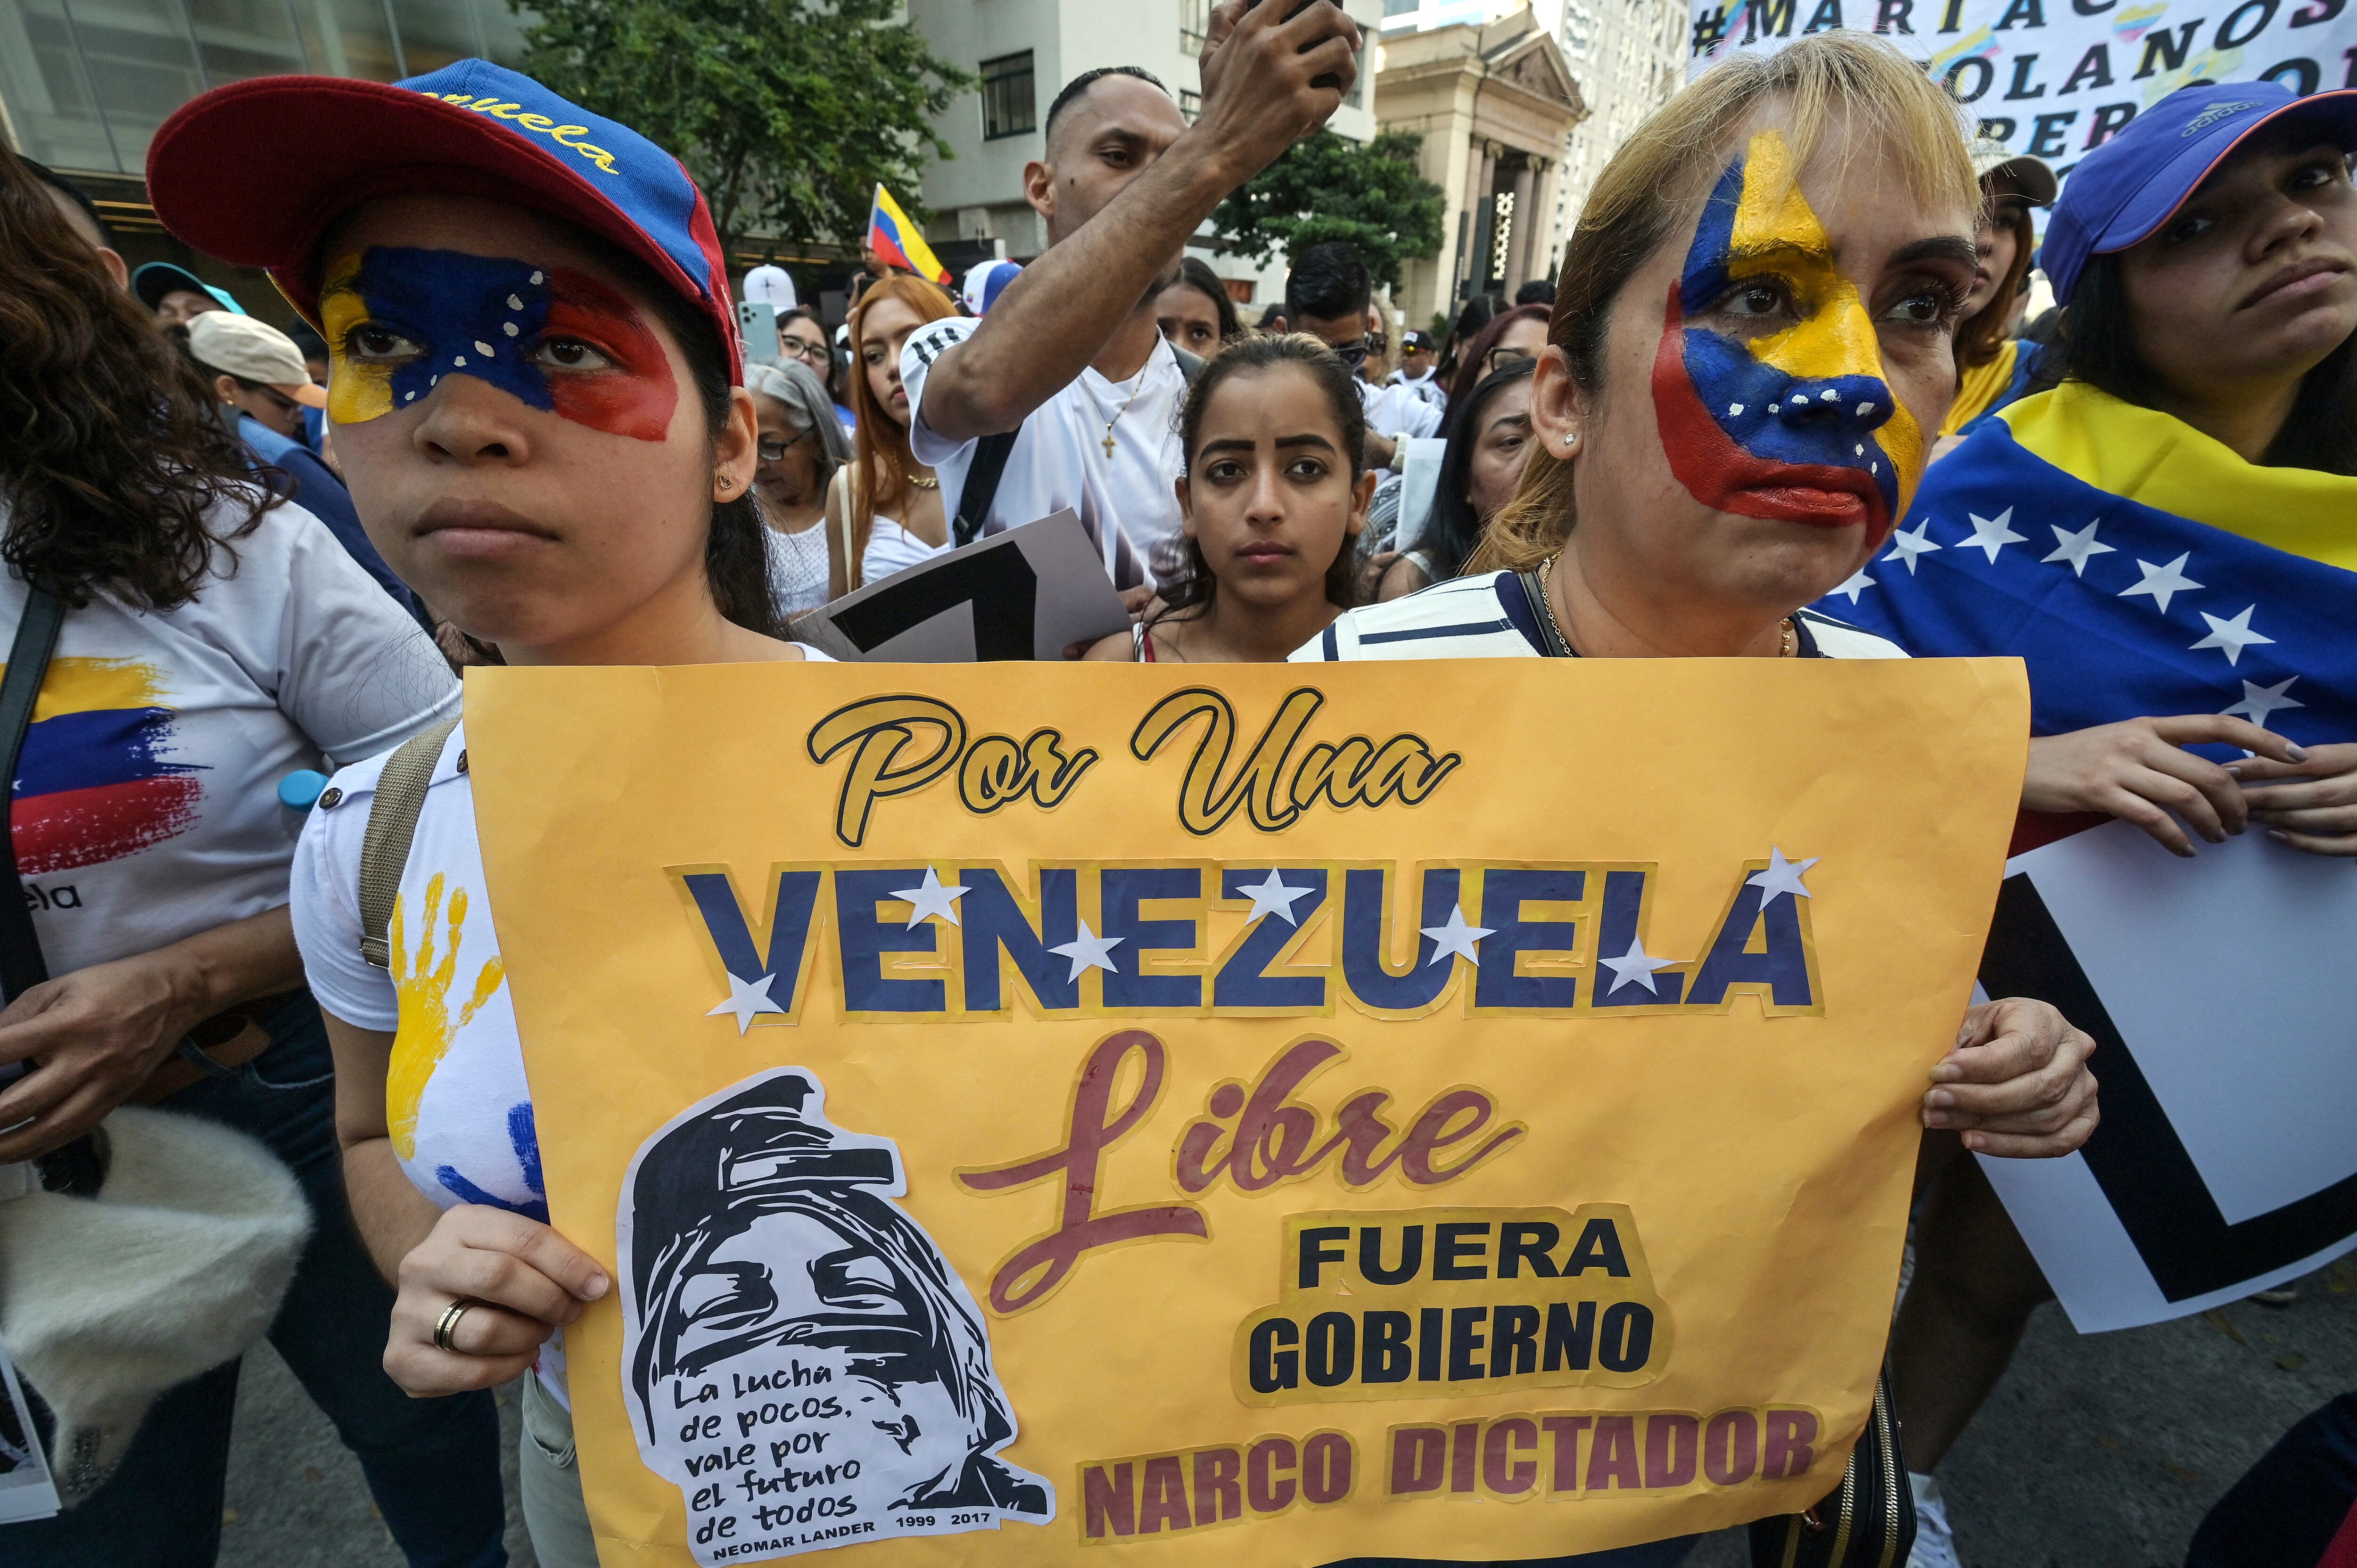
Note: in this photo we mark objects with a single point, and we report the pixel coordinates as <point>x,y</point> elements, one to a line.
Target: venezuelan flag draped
<point>892,235</point>
<point>2138,567</point>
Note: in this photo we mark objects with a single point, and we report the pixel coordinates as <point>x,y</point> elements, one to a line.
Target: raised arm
<point>1056,318</point>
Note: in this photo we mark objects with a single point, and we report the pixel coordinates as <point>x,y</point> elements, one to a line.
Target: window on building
<point>1010,106</point>
<point>1400,8</point>
<point>1191,104</point>
<point>1194,22</point>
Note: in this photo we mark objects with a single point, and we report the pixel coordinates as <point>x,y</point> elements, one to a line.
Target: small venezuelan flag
<point>892,236</point>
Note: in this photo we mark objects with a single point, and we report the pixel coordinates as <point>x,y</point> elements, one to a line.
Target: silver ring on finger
<point>446,1332</point>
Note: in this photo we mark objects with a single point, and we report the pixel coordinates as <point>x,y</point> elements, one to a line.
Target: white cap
<point>769,285</point>
<point>255,351</point>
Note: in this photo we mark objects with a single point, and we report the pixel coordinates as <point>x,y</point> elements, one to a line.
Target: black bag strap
<point>982,484</point>
<point>990,464</point>
<point>22,966</point>
<point>1534,586</point>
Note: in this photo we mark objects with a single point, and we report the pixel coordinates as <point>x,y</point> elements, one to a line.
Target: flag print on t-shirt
<point>93,782</point>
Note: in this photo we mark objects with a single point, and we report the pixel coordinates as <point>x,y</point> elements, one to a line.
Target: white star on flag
<point>1906,546</point>
<point>748,999</point>
<point>1272,897</point>
<point>1090,952</point>
<point>2076,547</point>
<point>932,899</point>
<point>1993,533</point>
<point>1456,939</point>
<point>1636,965</point>
<point>2163,583</point>
<point>1782,876</point>
<point>2259,701</point>
<point>1856,584</point>
<point>2231,637</point>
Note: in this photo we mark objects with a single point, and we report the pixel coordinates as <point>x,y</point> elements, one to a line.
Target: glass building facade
<point>84,83</point>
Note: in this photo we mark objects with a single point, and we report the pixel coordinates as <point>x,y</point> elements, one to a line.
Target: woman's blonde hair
<point>1893,109</point>
<point>880,443</point>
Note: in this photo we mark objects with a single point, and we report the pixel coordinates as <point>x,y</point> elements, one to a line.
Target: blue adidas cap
<point>2123,192</point>
<point>256,171</point>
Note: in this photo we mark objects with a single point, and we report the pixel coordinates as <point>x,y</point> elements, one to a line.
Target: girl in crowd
<point>214,641</point>
<point>2206,416</point>
<point>1488,443</point>
<point>1275,490</point>
<point>1620,545</point>
<point>1195,313</point>
<point>1511,338</point>
<point>801,336</point>
<point>884,509</point>
<point>1993,366</point>
<point>1474,316</point>
<point>582,498</point>
<point>801,449</point>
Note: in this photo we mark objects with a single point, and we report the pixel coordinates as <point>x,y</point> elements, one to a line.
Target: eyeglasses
<point>1498,359</point>
<point>1354,353</point>
<point>808,352</point>
<point>773,450</point>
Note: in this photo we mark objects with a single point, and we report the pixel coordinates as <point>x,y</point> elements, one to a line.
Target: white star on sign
<point>1993,533</point>
<point>1635,965</point>
<point>2231,637</point>
<point>1782,876</point>
<point>2259,701</point>
<point>2076,547</point>
<point>1907,546</point>
<point>748,999</point>
<point>1456,938</point>
<point>1090,952</point>
<point>1856,584</point>
<point>932,899</point>
<point>2163,583</point>
<point>1272,897</point>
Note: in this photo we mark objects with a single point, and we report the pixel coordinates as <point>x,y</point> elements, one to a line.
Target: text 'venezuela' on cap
<point>256,171</point>
<point>2126,190</point>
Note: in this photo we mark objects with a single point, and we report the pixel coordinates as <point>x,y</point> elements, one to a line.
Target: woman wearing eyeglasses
<point>1511,337</point>
<point>801,447</point>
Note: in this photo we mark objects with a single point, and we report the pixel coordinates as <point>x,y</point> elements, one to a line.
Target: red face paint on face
<point>633,393</point>
<point>1725,477</point>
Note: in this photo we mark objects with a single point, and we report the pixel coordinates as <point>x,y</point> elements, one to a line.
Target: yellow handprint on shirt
<point>423,986</point>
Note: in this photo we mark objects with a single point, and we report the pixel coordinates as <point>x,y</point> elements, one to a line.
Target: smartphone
<point>757,323</point>
<point>1329,79</point>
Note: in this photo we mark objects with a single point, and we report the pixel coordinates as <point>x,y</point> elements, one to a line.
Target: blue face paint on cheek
<point>471,315</point>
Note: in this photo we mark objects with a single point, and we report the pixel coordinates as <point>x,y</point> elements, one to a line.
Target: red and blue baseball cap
<point>2124,191</point>
<point>255,172</point>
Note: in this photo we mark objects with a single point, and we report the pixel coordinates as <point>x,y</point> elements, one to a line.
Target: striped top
<point>1492,617</point>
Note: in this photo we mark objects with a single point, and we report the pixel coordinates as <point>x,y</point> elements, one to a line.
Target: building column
<point>1527,227</point>
<point>1483,203</point>
<point>1543,233</point>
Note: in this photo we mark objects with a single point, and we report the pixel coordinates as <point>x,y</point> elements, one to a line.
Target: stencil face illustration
<point>795,1333</point>
<point>1794,421</point>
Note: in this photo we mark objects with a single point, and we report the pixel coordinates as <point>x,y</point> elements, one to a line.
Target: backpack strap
<point>1536,587</point>
<point>22,966</point>
<point>392,828</point>
<point>982,484</point>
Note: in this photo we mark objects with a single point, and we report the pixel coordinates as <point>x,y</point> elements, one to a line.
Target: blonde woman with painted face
<point>1752,343</point>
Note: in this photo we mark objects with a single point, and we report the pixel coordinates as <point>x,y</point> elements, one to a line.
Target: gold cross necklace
<point>1124,409</point>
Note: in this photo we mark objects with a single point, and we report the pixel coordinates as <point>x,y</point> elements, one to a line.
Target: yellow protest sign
<point>1247,1113</point>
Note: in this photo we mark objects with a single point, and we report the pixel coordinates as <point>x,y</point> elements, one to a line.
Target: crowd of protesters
<point>299,537</point>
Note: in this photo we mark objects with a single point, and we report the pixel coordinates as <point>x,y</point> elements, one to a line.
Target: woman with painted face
<point>2165,539</point>
<point>541,424</point>
<point>1275,490</point>
<point>885,508</point>
<point>1488,443</point>
<point>1752,343</point>
<point>1993,365</point>
<point>801,449</point>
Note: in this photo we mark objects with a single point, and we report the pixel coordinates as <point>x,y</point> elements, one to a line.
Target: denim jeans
<point>432,1465</point>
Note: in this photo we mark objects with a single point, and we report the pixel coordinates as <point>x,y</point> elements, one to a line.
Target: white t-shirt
<point>798,568</point>
<point>456,1100</point>
<point>1490,617</point>
<point>892,548</point>
<point>1395,410</point>
<point>146,806</point>
<point>1425,386</point>
<point>1058,459</point>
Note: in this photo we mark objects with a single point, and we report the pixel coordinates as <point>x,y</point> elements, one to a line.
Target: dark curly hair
<point>118,476</point>
<point>1186,597</point>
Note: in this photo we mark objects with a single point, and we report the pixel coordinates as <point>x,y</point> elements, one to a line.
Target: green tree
<point>786,112</point>
<point>1325,188</point>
